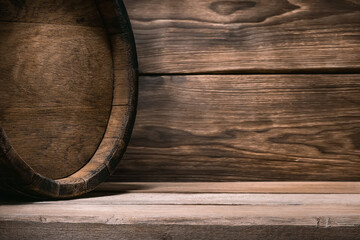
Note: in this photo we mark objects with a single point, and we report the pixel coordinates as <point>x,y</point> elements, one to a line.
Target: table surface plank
<point>233,187</point>
<point>137,205</point>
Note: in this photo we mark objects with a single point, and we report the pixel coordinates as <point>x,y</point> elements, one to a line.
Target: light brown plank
<point>245,127</point>
<point>56,93</point>
<point>112,199</point>
<point>238,215</point>
<point>246,36</point>
<point>233,187</point>
<point>180,214</point>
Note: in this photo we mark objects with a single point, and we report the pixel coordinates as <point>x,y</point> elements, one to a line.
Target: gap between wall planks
<point>186,37</point>
<point>245,127</point>
<point>271,127</point>
<point>208,36</point>
<point>254,36</point>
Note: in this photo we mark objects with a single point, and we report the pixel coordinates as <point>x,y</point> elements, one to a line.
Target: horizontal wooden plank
<point>246,36</point>
<point>63,231</point>
<point>238,215</point>
<point>245,127</point>
<point>112,199</point>
<point>233,187</point>
<point>168,209</point>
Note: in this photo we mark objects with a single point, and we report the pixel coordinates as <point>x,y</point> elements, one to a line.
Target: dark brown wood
<point>245,127</point>
<point>64,231</point>
<point>56,93</point>
<point>58,12</point>
<point>66,112</point>
<point>207,36</point>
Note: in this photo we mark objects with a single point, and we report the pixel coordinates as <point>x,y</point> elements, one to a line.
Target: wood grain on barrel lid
<point>56,88</point>
<point>60,12</point>
<point>65,118</point>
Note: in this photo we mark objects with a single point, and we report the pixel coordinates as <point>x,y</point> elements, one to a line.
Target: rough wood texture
<point>59,12</point>
<point>66,113</point>
<point>63,231</point>
<point>232,187</point>
<point>229,215</point>
<point>245,127</point>
<point>175,215</point>
<point>56,93</point>
<point>216,199</point>
<point>246,36</point>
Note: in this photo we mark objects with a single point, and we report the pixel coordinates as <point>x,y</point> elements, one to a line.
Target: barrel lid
<point>68,93</point>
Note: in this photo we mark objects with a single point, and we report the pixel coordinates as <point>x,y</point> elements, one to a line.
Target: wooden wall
<point>246,90</point>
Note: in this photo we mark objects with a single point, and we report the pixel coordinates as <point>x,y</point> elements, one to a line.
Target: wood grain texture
<point>246,36</point>
<point>64,121</point>
<point>336,215</point>
<point>245,127</point>
<point>232,187</point>
<point>146,199</point>
<point>59,12</point>
<point>184,211</point>
<point>56,93</point>
<point>63,231</point>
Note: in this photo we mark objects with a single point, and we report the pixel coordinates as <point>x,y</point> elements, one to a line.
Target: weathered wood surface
<point>66,112</point>
<point>56,93</point>
<point>170,214</point>
<point>230,215</point>
<point>215,199</point>
<point>56,82</point>
<point>245,127</point>
<point>207,36</point>
<point>58,12</point>
<point>248,127</point>
<point>232,187</point>
<point>63,231</point>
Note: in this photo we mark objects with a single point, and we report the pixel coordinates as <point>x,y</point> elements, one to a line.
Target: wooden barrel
<point>68,92</point>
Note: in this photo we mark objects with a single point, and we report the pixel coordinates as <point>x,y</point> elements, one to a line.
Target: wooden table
<point>242,210</point>
<point>230,92</point>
